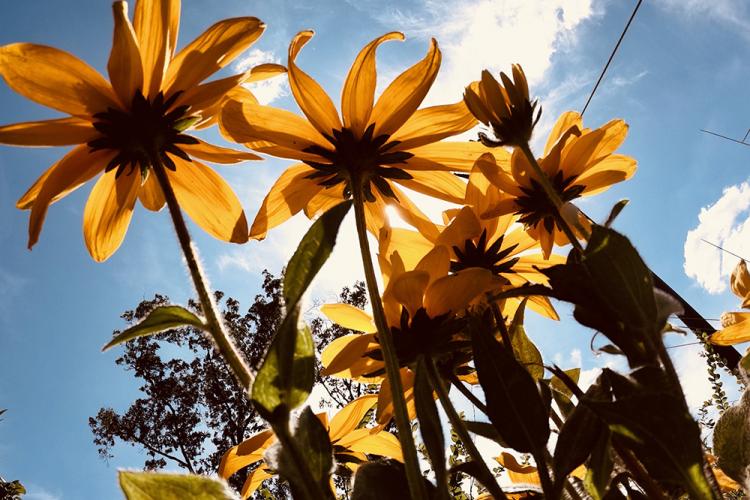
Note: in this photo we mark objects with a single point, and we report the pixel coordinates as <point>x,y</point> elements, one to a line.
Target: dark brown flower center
<point>478,254</point>
<point>366,159</point>
<point>148,128</point>
<point>535,206</point>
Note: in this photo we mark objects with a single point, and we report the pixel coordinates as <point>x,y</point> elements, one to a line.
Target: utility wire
<point>611,56</point>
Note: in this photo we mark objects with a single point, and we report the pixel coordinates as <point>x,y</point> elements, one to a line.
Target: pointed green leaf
<point>430,427</point>
<point>312,252</point>
<point>160,319</point>
<point>616,209</point>
<point>163,486</point>
<point>562,393</point>
<point>523,348</point>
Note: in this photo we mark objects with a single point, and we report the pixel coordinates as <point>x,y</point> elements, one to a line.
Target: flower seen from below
<point>372,146</point>
<point>122,126</point>
<point>736,325</point>
<point>577,162</point>
<point>505,109</point>
<point>351,444</point>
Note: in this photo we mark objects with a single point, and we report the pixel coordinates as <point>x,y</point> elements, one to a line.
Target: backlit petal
<point>124,67</point>
<point>409,288</point>
<point>465,226</point>
<point>408,211</point>
<point>56,79</point>
<point>108,212</point>
<point>404,95</point>
<point>311,98</point>
<point>454,293</point>
<point>246,453</point>
<point>346,357</point>
<point>350,416</point>
<point>454,155</point>
<point>359,88</point>
<point>566,120</point>
<point>254,480</point>
<point>207,198</point>
<point>151,195</point>
<point>380,443</point>
<point>325,200</point>
<point>385,400</point>
<point>156,23</point>
<point>60,132</point>
<point>592,147</point>
<point>432,124</point>
<point>216,47</point>
<point>217,154</point>
<point>348,316</point>
<point>441,185</point>
<point>436,263</point>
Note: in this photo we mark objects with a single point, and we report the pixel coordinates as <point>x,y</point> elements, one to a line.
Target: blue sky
<point>681,68</point>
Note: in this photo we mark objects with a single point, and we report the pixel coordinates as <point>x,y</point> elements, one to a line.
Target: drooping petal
<point>566,121</point>
<point>55,78</point>
<point>592,147</point>
<point>346,357</point>
<point>475,104</point>
<point>156,23</point>
<point>60,132</point>
<point>411,245</point>
<point>408,289</point>
<point>404,95</point>
<point>350,416</point>
<point>254,480</point>
<point>456,291</point>
<point>290,193</point>
<point>207,198</point>
<point>204,99</point>
<point>108,211</point>
<point>325,200</point>
<point>385,399</point>
<point>499,177</point>
<point>359,88</point>
<point>74,169</point>
<point>436,263</point>
<point>246,453</point>
<point>453,155</point>
<point>310,96</point>
<point>739,282</point>
<point>216,47</point>
<point>124,67</point>
<point>429,125</point>
<point>348,316</point>
<point>217,154</point>
<point>151,195</point>
<point>441,185</point>
<point>465,226</point>
<point>245,122</point>
<point>380,443</point>
<point>265,71</point>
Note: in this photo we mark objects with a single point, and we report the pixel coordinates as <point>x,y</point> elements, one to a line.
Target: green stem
<point>214,324</point>
<point>385,338</point>
<point>437,384</point>
<point>289,444</point>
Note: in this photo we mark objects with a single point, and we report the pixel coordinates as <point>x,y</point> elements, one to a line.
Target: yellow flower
<point>371,146</point>
<point>740,283</point>
<point>505,108</point>
<point>349,441</point>
<point>735,325</point>
<point>152,97</point>
<point>424,308</point>
<point>577,161</point>
<point>474,239</point>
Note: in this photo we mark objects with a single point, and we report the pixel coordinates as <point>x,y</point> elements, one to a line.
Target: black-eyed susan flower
<point>351,444</point>
<point>372,146</point>
<point>577,162</point>
<point>506,109</point>
<point>424,308</point>
<point>120,127</point>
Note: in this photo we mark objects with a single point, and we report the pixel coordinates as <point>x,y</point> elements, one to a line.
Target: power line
<point>728,138</point>
<point>611,56</point>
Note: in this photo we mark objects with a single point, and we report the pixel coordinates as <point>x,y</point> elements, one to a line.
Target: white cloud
<point>726,224</point>
<point>732,13</point>
<point>624,81</point>
<point>266,91</point>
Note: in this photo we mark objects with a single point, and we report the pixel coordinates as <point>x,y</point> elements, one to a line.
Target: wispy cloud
<point>732,13</point>
<point>725,223</point>
<point>36,492</point>
<point>265,91</point>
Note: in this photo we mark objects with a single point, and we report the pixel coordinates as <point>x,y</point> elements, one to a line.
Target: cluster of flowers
<point>511,207</point>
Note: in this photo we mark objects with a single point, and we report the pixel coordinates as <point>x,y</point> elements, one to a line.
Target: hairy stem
<point>223,342</point>
<point>385,338</point>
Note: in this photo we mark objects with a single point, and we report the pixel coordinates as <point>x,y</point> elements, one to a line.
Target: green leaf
<point>562,393</point>
<point>159,319</point>
<point>312,441</point>
<point>430,427</point>
<point>382,479</point>
<point>514,404</point>
<point>162,486</point>
<point>616,209</point>
<point>732,440</point>
<point>523,348</point>
<point>600,466</point>
<point>279,388</point>
<point>312,252</point>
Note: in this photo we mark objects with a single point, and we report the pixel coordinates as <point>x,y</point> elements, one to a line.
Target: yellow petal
<point>433,124</point>
<point>156,23</point>
<point>451,155</point>
<point>517,473</point>
<point>290,193</point>
<point>205,99</point>
<point>408,211</point>
<point>380,443</point>
<point>454,293</point>
<point>566,121</point>
<point>404,95</point>
<point>346,356</point>
<point>56,79</point>
<point>245,122</point>
<point>216,47</point>
<point>465,226</point>
<point>494,95</point>
<point>350,416</point>
<point>254,480</point>
<point>475,104</point>
<point>151,195</point>
<point>74,169</point>
<point>436,263</point>
<point>265,71</point>
<point>736,333</point>
<point>411,246</point>
<point>246,453</point>
<point>497,175</point>
<point>441,185</point>
<point>311,98</point>
<point>324,201</point>
<point>359,88</point>
<point>217,154</point>
<point>385,400</point>
<point>348,316</point>
<point>108,212</point>
<point>739,282</point>
<point>207,198</point>
<point>60,132</point>
<point>408,289</point>
<point>601,181</point>
<point>592,147</point>
<point>124,67</point>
